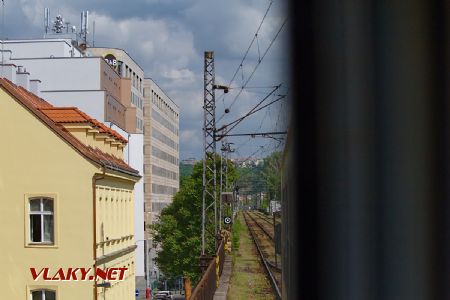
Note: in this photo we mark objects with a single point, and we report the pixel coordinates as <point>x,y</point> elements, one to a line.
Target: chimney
<point>22,78</point>
<point>35,87</point>
<point>6,55</point>
<point>8,71</point>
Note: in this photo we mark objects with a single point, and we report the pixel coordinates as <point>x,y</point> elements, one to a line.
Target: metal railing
<point>209,281</point>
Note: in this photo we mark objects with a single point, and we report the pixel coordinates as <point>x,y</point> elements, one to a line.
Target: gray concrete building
<point>161,156</point>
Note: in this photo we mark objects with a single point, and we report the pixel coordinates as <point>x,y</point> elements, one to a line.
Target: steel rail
<point>271,236</point>
<point>265,262</point>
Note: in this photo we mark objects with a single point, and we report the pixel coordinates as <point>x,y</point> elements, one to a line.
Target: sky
<point>167,38</point>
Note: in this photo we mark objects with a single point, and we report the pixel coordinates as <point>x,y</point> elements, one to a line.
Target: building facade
<point>68,201</point>
<point>109,85</point>
<point>125,67</point>
<point>161,159</point>
<point>70,77</point>
<point>161,167</point>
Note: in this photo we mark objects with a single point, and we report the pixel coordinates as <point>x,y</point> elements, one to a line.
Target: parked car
<point>165,295</point>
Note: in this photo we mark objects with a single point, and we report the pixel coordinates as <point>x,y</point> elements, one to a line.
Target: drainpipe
<point>94,205</point>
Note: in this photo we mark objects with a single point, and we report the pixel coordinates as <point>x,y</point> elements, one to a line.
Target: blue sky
<point>168,38</point>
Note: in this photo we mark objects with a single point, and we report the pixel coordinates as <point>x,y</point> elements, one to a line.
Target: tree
<point>272,174</point>
<point>178,231</point>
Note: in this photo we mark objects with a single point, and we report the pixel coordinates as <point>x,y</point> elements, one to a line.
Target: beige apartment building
<point>161,159</point>
<point>126,67</point>
<point>161,150</point>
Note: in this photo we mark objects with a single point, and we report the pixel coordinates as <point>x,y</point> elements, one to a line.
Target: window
<point>41,212</point>
<point>43,295</point>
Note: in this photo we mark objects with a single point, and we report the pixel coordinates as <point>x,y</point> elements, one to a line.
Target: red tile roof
<point>66,114</point>
<point>74,115</point>
<point>53,117</point>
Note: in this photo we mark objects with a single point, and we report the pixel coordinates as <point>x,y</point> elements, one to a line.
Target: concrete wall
<point>41,48</point>
<point>64,73</point>
<point>90,102</point>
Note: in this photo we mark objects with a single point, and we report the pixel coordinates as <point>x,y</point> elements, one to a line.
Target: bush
<point>236,231</point>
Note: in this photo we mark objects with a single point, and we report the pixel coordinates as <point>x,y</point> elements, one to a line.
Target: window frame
<point>27,213</point>
<point>35,288</point>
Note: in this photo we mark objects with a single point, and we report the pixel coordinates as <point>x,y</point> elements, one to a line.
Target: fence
<point>209,281</point>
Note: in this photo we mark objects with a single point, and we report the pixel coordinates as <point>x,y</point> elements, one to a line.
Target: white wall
<point>90,102</point>
<point>134,156</point>
<point>64,73</point>
<point>41,48</point>
<point>136,160</point>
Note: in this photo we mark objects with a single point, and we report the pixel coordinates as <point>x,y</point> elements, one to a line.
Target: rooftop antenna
<point>93,34</point>
<point>58,24</point>
<point>84,25</point>
<point>46,21</point>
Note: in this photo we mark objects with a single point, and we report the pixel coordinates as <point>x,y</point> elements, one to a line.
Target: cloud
<point>167,39</point>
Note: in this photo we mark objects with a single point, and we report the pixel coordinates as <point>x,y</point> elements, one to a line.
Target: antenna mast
<point>84,25</point>
<point>46,21</point>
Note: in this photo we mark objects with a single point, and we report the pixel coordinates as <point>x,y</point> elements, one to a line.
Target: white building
<point>109,85</point>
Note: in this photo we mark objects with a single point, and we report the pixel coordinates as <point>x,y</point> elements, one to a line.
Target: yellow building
<point>67,203</point>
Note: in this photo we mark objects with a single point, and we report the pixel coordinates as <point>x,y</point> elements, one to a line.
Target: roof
<point>65,115</point>
<point>54,117</point>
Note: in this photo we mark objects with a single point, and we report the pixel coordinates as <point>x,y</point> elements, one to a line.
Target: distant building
<point>162,152</point>
<point>67,200</point>
<point>189,161</point>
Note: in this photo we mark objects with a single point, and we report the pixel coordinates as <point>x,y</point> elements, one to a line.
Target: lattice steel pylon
<point>209,198</point>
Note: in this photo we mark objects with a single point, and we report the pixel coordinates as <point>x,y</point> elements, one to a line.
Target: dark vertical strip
<point>441,50</point>
<point>302,282</point>
<point>406,130</point>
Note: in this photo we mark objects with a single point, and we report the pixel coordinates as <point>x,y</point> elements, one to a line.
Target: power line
<point>254,134</point>
<point>251,43</point>
<point>257,105</point>
<point>256,67</point>
<point>254,110</point>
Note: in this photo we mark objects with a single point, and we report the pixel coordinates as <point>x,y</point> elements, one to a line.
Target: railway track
<point>266,227</point>
<point>265,245</point>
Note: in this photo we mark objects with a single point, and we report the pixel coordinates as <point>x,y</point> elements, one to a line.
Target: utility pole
<point>209,197</point>
<point>224,187</point>
<point>209,146</point>
<point>223,150</point>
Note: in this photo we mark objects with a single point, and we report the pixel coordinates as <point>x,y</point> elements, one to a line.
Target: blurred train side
<point>288,226</point>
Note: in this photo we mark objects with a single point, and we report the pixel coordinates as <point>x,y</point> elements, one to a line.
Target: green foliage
<point>185,172</point>
<point>251,180</point>
<point>272,175</point>
<point>178,232</point>
<point>236,231</point>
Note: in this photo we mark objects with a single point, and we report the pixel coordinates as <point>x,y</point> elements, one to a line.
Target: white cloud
<point>167,39</point>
